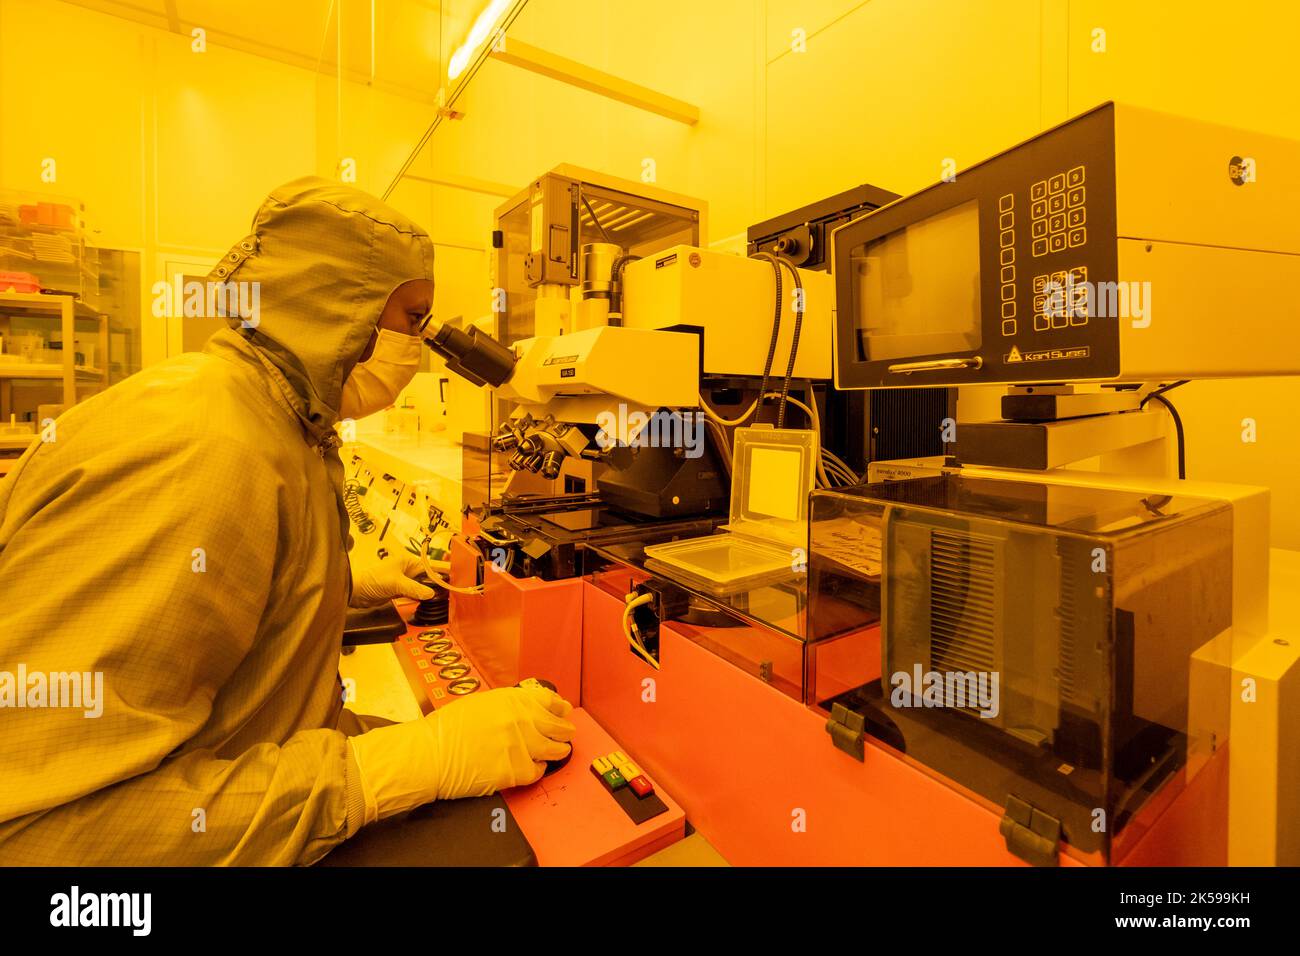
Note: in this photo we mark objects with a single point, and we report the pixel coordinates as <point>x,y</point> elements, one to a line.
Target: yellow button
<point>602,765</point>
<point>629,770</point>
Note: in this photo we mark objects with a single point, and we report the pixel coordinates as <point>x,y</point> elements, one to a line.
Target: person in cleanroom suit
<point>183,535</point>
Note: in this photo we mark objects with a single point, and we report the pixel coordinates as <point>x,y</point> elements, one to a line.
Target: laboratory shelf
<point>67,311</point>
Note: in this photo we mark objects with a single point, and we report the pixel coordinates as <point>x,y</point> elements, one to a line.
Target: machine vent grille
<point>1067,616</point>
<point>907,422</point>
<point>615,217</point>
<point>963,602</point>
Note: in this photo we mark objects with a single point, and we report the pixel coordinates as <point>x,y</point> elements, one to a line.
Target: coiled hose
<point>352,504</point>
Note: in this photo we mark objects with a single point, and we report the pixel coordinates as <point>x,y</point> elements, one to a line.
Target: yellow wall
<point>172,151</point>
<point>518,125</point>
<point>902,84</point>
<point>885,91</point>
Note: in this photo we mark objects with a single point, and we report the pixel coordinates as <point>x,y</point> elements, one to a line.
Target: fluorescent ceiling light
<point>478,33</point>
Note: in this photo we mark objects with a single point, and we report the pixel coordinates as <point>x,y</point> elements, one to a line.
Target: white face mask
<point>374,383</point>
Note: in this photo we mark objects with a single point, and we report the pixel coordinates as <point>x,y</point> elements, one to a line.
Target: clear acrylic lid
<point>772,474</point>
<point>721,564</point>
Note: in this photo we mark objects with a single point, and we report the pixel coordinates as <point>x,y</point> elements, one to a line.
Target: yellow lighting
<point>482,29</point>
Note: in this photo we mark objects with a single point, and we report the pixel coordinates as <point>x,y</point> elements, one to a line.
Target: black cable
<point>1178,427</point>
<point>616,286</point>
<point>799,306</point>
<point>1165,388</point>
<point>1158,395</point>
<point>1155,503</point>
<point>776,331</point>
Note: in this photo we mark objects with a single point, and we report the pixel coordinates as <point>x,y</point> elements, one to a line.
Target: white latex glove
<point>475,746</point>
<point>375,580</point>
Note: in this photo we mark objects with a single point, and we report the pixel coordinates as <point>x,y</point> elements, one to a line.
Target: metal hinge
<point>846,730</point>
<point>1030,833</point>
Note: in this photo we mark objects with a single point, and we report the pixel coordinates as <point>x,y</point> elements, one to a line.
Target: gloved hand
<point>375,580</point>
<point>475,746</point>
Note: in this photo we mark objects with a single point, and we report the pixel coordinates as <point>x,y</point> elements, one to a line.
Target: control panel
<point>437,668</point>
<point>1003,274</point>
<point>388,513</point>
<point>1049,324</point>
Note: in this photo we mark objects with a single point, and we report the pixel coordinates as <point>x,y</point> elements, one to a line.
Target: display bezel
<point>1087,140</point>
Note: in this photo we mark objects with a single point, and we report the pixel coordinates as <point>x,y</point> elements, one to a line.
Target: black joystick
<point>551,765</point>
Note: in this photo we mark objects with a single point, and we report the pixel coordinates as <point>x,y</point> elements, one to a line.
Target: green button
<point>613,780</point>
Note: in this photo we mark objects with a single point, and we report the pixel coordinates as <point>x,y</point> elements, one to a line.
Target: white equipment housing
<point>731,300</point>
<point>583,377</point>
